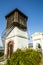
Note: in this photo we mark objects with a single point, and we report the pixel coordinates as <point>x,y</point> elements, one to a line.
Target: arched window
<point>38,47</point>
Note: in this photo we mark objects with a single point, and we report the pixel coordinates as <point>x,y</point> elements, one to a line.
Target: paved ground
<point>3,62</point>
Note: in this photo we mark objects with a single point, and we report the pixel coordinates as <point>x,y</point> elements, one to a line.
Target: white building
<point>16,32</point>
<point>37,39</point>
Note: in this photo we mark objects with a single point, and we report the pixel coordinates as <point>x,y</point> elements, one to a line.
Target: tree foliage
<point>26,57</point>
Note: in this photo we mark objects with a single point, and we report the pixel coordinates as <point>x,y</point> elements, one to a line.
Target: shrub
<point>26,57</point>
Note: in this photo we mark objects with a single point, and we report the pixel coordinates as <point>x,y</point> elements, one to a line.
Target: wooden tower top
<point>16,18</point>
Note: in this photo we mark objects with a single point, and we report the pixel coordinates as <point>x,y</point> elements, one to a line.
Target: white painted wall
<point>20,38</point>
<point>37,38</point>
<point>17,31</point>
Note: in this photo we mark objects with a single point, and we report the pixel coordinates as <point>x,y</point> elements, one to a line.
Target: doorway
<point>9,49</point>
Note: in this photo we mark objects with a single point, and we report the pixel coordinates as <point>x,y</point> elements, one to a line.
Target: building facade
<point>16,32</point>
<point>37,39</point>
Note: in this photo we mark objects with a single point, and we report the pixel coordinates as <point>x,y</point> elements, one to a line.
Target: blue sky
<point>32,8</point>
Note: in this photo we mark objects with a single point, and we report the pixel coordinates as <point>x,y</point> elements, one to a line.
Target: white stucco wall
<point>20,38</point>
<point>37,38</point>
<point>17,31</point>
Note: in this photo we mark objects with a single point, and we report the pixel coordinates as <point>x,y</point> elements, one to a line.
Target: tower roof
<point>16,9</point>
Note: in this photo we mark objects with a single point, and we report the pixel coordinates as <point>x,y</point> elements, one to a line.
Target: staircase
<point>9,30</point>
<point>6,32</point>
